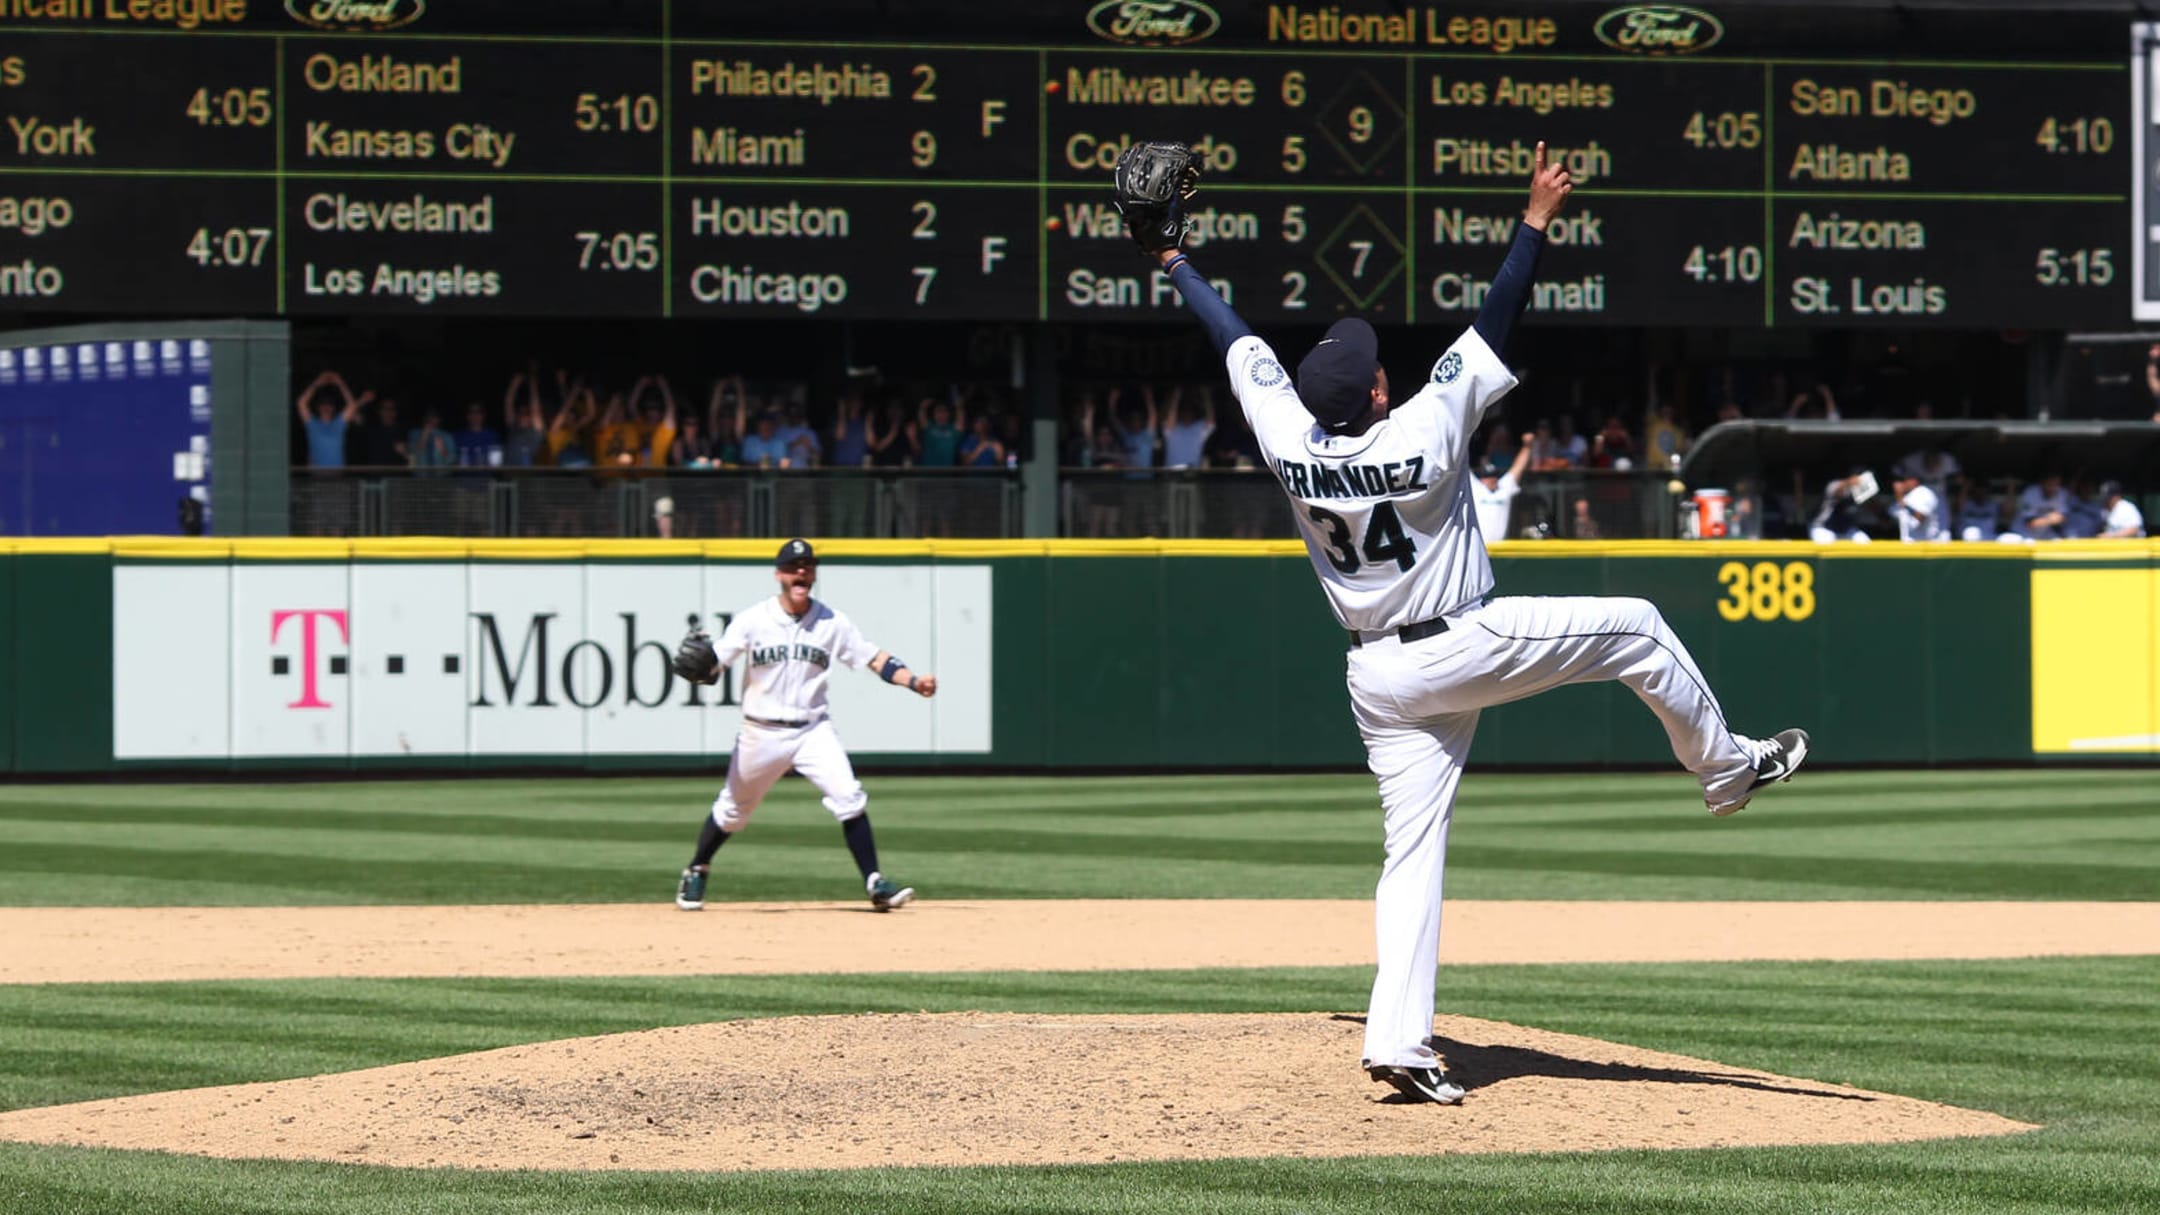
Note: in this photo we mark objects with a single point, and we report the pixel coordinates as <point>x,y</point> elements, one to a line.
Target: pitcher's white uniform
<point>785,715</point>
<point>1388,520</point>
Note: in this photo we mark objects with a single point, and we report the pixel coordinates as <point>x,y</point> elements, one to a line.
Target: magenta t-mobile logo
<point>310,668</point>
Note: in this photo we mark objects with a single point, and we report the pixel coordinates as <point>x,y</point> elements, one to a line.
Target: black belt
<point>1409,632</point>
<point>778,725</point>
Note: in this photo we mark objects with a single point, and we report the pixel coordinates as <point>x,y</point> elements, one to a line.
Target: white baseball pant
<point>1417,707</point>
<point>763,754</point>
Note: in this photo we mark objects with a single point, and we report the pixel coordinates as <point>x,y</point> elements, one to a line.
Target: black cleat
<point>1788,750</point>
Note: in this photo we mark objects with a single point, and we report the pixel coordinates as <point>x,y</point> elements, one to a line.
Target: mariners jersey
<point>790,659</point>
<point>1386,515</point>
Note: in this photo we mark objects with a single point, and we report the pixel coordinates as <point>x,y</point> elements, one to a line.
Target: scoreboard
<point>1737,165</point>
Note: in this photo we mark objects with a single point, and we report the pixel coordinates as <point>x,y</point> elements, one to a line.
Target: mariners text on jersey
<point>1352,480</point>
<point>761,656</point>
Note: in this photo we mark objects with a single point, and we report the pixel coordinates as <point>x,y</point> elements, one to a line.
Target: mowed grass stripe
<point>2040,835</point>
<point>2062,1042</point>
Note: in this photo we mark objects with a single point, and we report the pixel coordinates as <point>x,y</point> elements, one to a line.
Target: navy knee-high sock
<point>708,842</point>
<point>860,842</point>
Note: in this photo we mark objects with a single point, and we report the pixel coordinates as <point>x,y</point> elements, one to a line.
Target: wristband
<point>893,666</point>
<point>1175,261</point>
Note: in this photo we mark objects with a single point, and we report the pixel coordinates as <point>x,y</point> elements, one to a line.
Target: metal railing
<point>898,503</point>
<point>1249,504</point>
<point>652,502</point>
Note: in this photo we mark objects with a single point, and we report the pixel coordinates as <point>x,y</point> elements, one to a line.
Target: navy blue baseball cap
<point>1335,380</point>
<point>793,552</point>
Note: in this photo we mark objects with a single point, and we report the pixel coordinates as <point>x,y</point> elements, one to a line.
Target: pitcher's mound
<point>984,1088</point>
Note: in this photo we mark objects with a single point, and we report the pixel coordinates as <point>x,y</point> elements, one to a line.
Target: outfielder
<point>792,640</point>
<point>1381,495</point>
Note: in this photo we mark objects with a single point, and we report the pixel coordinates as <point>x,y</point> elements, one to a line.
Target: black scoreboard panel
<point>654,161</point>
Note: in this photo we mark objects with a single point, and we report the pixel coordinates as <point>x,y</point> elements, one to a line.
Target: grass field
<point>2069,1043</point>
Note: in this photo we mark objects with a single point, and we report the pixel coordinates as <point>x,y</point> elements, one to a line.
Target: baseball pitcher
<point>791,641</point>
<point>1381,494</point>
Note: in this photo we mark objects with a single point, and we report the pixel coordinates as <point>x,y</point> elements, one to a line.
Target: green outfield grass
<point>2068,1043</point>
<point>1854,835</point>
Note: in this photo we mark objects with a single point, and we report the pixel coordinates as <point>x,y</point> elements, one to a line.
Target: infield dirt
<point>976,1088</point>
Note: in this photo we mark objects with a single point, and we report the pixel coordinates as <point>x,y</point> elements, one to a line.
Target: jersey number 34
<point>1384,539</point>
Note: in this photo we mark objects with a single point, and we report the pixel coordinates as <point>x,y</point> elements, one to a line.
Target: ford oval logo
<point>1659,29</point>
<point>369,15</point>
<point>1153,22</point>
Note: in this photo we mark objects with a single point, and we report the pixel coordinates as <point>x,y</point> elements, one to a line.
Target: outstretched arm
<point>1550,185</point>
<point>1224,326</point>
<point>893,671</point>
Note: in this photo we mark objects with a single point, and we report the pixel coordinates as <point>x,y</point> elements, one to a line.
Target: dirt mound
<point>977,1089</point>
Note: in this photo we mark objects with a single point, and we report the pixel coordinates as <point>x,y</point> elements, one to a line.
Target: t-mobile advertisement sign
<point>377,659</point>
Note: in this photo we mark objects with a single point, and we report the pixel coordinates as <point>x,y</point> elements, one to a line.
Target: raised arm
<point>1522,456</point>
<point>1224,326</point>
<point>307,395</point>
<point>1550,185</point>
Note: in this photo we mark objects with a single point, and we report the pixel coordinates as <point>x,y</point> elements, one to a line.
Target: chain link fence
<point>593,503</point>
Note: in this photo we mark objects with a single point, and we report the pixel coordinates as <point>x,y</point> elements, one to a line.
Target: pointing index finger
<point>1540,156</point>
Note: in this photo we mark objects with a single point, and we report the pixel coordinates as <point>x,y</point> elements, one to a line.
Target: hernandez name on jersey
<point>1369,505</point>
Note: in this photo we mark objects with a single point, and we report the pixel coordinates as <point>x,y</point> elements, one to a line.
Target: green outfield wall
<point>156,654</point>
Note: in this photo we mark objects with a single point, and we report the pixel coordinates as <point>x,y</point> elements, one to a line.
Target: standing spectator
<point>1746,519</point>
<point>1495,491</point>
<point>430,446</point>
<point>724,408</point>
<point>2043,510</point>
<point>1818,404</point>
<point>1665,438</point>
<point>382,443</point>
<point>1613,447</point>
<point>478,445</point>
<point>938,430</point>
<point>762,447</point>
<point>982,449</point>
<point>1136,429</point>
<point>1185,431</point>
<point>1570,444</point>
<point>1976,513</point>
<point>692,447</point>
<point>1233,445</point>
<point>1546,454</point>
<point>327,422</point>
<point>657,420</point>
<point>569,436</point>
<point>2124,520</point>
<point>1013,434</point>
<point>803,448</point>
<point>1584,526</point>
<point>524,426</point>
<point>1932,467</point>
<point>851,433</point>
<point>892,443</point>
<point>1840,517</point>
<point>619,439</point>
<point>1918,510</point>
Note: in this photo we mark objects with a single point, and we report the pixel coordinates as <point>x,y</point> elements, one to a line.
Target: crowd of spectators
<point>560,420</point>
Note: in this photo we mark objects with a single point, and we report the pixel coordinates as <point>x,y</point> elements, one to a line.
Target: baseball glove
<point>1154,182</point>
<point>695,659</point>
